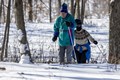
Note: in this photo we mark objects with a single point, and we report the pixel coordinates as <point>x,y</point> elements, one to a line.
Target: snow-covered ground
<point>15,71</point>
<point>39,37</point>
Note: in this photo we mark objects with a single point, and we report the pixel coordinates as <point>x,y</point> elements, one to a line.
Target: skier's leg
<point>73,54</point>
<point>61,54</point>
<point>69,50</point>
<point>88,54</point>
<point>78,56</point>
<point>83,59</point>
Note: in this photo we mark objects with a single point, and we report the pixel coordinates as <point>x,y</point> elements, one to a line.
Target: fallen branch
<point>2,68</point>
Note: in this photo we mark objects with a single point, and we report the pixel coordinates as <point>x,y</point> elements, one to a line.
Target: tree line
<point>20,11</point>
<point>41,10</point>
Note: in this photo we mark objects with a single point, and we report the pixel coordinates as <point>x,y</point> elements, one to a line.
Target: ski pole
<point>71,42</point>
<point>99,49</point>
<point>101,52</point>
<point>70,36</point>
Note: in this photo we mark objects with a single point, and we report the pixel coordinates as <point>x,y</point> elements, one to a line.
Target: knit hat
<point>78,21</point>
<point>64,8</point>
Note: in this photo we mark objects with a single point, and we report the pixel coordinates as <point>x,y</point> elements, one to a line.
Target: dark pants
<point>81,57</point>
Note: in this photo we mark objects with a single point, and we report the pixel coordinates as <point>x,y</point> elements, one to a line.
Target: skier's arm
<point>73,25</point>
<point>56,28</point>
<point>56,31</point>
<point>71,22</point>
<point>91,38</point>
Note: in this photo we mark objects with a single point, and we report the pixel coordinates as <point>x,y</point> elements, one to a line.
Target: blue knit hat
<point>64,8</point>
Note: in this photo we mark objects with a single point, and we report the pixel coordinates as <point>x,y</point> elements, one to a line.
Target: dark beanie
<point>64,8</point>
<point>78,21</point>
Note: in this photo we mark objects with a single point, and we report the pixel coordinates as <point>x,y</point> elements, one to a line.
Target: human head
<point>79,24</point>
<point>63,10</point>
<point>78,21</point>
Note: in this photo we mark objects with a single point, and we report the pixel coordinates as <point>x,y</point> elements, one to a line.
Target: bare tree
<point>82,9</point>
<point>109,6</point>
<point>21,26</point>
<point>30,12</point>
<point>8,28</point>
<point>59,4</point>
<point>114,33</point>
<point>72,7</point>
<point>88,12</point>
<point>6,34</point>
<point>1,9</point>
<point>78,8</point>
<point>35,9</point>
<point>25,7</point>
<point>50,10</point>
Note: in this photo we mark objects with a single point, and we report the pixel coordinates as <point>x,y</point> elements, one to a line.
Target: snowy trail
<point>15,71</point>
<point>41,34</point>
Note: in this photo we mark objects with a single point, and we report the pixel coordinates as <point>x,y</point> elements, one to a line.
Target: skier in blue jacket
<point>82,41</point>
<point>61,31</point>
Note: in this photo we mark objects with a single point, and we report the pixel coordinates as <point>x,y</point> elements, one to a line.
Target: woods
<point>6,35</point>
<point>40,11</point>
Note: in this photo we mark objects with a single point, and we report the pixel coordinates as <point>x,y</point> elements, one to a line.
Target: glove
<point>54,38</point>
<point>68,23</point>
<point>95,42</point>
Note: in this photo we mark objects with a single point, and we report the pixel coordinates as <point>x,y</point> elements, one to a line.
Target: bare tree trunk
<point>50,11</point>
<point>1,10</point>
<point>72,7</point>
<point>8,28</point>
<point>12,10</point>
<point>25,7</point>
<point>59,6</point>
<point>6,34</point>
<point>114,33</point>
<point>78,8</point>
<point>35,11</point>
<point>30,11</point>
<point>82,9</point>
<point>88,12</point>
<point>21,26</point>
<point>109,6</point>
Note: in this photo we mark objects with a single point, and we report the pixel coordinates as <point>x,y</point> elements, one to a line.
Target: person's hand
<point>95,42</point>
<point>54,38</point>
<point>68,23</point>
